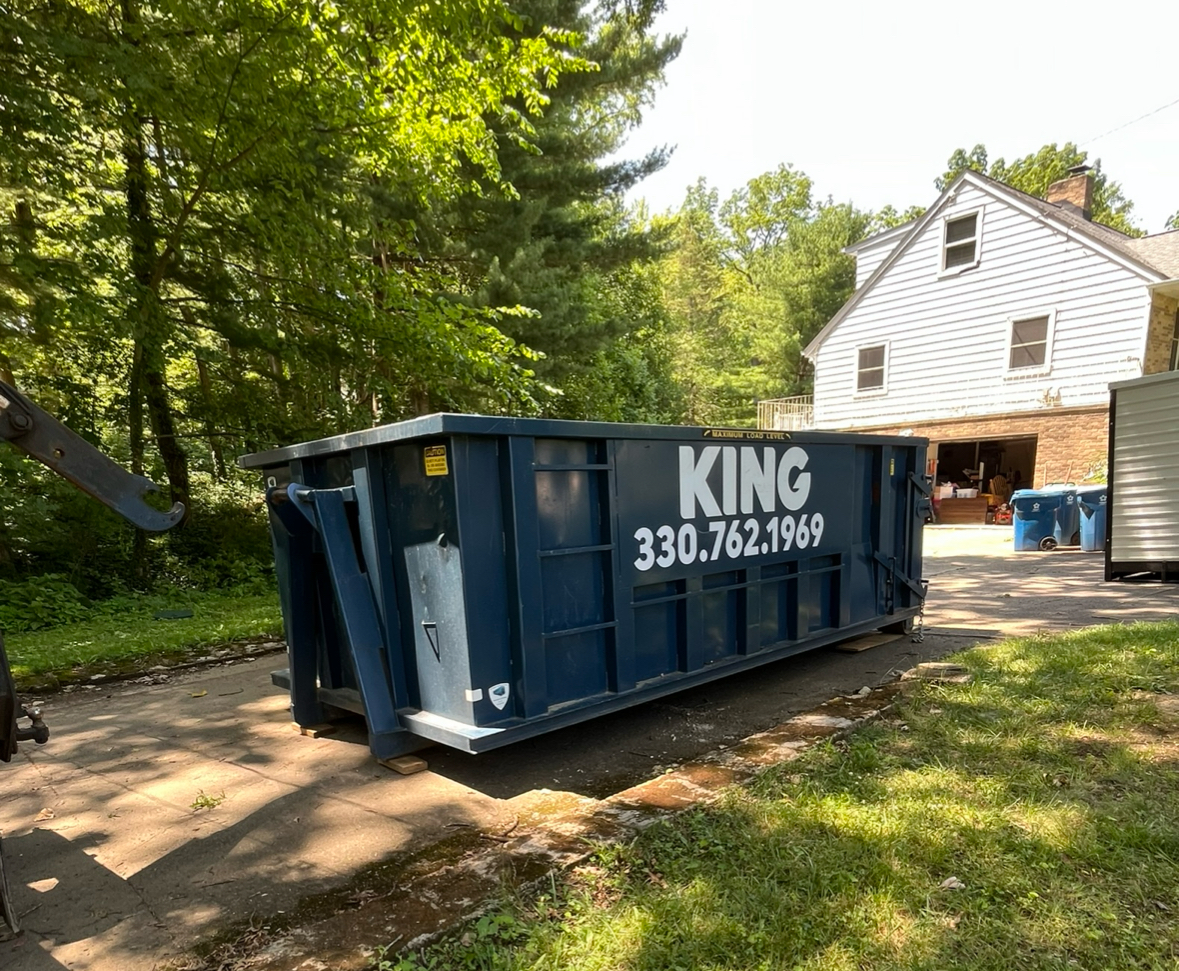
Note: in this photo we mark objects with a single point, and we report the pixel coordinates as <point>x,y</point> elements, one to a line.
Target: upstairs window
<point>960,242</point>
<point>870,363</point>
<point>1030,337</point>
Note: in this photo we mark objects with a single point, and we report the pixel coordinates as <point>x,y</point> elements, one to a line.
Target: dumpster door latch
<point>890,564</point>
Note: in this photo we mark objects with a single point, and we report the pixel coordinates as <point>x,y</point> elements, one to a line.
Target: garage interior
<point>974,478</point>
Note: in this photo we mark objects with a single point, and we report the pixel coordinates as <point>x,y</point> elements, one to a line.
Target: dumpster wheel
<point>1048,544</point>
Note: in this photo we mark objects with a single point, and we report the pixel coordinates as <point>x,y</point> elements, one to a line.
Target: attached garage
<point>1143,534</point>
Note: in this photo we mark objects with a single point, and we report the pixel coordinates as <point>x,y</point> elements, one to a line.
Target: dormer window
<point>960,242</point>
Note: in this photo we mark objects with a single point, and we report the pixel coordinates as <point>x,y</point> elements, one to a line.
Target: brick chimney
<point>1074,193</point>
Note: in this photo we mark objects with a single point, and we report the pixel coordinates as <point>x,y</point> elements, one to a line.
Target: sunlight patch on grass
<point>1023,822</point>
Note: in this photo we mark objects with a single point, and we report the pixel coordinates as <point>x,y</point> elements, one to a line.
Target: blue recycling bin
<point>473,581</point>
<point>1093,510</point>
<point>1036,518</point>
<point>1047,518</point>
<point>1068,515</point>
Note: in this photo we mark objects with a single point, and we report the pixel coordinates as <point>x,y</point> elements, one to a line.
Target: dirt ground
<point>158,815</point>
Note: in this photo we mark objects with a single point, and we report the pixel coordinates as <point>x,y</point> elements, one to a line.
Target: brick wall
<point>1069,441</point>
<point>1160,331</point>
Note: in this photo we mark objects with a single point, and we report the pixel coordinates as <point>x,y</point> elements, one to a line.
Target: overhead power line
<point>1089,141</point>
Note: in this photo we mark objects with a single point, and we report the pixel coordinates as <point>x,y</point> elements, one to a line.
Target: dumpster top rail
<point>450,424</point>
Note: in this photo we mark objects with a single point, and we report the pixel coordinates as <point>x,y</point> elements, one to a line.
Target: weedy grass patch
<point>126,636</point>
<point>1027,820</point>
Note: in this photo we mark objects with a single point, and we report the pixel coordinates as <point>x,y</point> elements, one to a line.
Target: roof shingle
<point>1161,251</point>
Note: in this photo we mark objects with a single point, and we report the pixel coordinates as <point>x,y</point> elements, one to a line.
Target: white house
<point>994,324</point>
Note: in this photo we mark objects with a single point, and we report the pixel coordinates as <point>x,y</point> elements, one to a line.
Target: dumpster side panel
<point>575,598</point>
<point>863,516</point>
<point>480,507</point>
<point>718,545</point>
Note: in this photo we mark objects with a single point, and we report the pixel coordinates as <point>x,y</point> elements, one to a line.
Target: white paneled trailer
<point>1142,540</point>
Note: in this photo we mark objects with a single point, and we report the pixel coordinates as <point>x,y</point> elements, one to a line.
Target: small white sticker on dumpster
<point>436,460</point>
<point>474,694</point>
<point>498,694</point>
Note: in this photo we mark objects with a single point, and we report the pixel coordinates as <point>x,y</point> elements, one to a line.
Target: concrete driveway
<point>159,815</point>
<point>977,581</point>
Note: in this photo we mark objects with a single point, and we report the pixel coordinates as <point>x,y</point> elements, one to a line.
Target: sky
<point>870,99</point>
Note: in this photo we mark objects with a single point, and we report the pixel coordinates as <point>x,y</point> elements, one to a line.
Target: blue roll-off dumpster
<point>473,581</point>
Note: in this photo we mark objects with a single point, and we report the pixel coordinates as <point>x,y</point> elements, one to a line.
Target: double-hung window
<point>870,366</point>
<point>1030,343</point>
<point>960,239</point>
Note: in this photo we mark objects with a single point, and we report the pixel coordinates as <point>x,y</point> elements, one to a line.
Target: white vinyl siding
<point>1144,517</point>
<point>870,253</point>
<point>949,337</point>
<point>867,261</point>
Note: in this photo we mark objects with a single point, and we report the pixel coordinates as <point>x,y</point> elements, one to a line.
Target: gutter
<point>1168,288</point>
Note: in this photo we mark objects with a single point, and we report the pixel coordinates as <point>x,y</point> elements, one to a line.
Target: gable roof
<point>871,242</point>
<point>1147,261</point>
<point>1160,250</point>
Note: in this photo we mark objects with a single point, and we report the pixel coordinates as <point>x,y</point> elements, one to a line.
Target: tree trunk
<point>135,410</point>
<point>164,429</point>
<point>147,318</point>
<point>135,440</point>
<point>210,432</point>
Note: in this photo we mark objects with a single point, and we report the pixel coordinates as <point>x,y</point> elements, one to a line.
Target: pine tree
<point>554,243</point>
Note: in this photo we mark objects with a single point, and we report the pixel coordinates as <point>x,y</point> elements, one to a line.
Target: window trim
<point>1173,361</point>
<point>1049,341</point>
<point>870,392</point>
<point>943,271</point>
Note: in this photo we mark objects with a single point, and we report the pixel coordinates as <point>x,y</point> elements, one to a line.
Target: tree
<point>1034,173</point>
<point>195,256</point>
<point>695,294</point>
<point>556,241</point>
<point>749,283</point>
<point>241,137</point>
<point>887,217</point>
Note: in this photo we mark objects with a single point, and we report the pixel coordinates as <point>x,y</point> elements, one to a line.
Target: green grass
<point>131,639</point>
<point>1049,787</point>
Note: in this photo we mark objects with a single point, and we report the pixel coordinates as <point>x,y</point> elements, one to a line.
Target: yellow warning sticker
<point>436,460</point>
<point>892,466</point>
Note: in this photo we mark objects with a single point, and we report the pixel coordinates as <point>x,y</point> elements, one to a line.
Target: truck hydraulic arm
<point>36,432</point>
